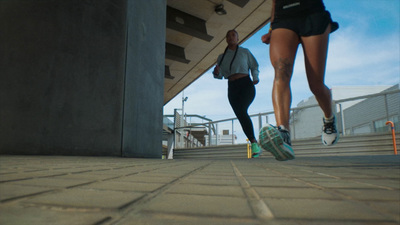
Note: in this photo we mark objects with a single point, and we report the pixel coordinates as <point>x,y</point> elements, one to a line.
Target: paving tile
<point>318,209</point>
<point>29,175</point>
<point>124,186</point>
<point>40,216</point>
<point>338,183</point>
<point>163,174</point>
<point>372,194</point>
<point>211,181</point>
<point>293,193</point>
<point>51,182</point>
<point>388,183</point>
<point>212,176</point>
<point>352,190</point>
<point>9,191</point>
<point>81,198</point>
<point>88,176</point>
<point>210,190</point>
<point>146,179</point>
<point>390,208</point>
<point>179,219</point>
<point>255,172</point>
<point>200,205</point>
<point>274,182</point>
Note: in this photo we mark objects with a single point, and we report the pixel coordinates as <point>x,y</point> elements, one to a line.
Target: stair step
<point>369,144</point>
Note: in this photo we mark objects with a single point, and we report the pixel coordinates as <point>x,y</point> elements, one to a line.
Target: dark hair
<point>233,30</point>
<point>234,56</point>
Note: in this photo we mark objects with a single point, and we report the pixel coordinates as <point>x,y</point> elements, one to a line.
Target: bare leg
<point>284,44</point>
<point>315,53</point>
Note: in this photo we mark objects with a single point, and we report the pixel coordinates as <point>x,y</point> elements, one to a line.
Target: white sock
<point>330,119</point>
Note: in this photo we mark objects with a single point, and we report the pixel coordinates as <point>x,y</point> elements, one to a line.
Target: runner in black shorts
<point>295,22</point>
<point>307,25</point>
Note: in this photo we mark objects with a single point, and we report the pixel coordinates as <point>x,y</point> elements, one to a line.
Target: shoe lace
<point>329,128</point>
<point>285,135</point>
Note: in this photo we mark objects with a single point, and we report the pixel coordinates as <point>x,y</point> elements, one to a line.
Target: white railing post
<point>342,119</point>
<point>217,141</point>
<point>170,149</point>
<point>209,133</point>
<point>233,136</point>
<point>293,126</point>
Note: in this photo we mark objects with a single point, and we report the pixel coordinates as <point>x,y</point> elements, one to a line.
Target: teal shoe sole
<point>271,141</point>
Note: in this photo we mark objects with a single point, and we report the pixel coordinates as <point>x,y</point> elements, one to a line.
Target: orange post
<point>393,136</point>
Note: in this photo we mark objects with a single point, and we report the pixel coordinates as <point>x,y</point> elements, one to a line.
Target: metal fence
<point>358,115</point>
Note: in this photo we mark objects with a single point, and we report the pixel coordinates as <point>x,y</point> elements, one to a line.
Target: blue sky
<point>364,51</point>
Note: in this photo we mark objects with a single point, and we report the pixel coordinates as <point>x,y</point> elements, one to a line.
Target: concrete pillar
<point>82,77</point>
<point>144,80</point>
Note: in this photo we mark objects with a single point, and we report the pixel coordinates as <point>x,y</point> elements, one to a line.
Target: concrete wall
<point>69,77</point>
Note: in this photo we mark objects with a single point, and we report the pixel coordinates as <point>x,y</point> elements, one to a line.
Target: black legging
<point>241,93</point>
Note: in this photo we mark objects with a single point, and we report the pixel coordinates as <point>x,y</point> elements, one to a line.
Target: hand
<point>266,38</point>
<point>256,82</point>
<point>216,70</point>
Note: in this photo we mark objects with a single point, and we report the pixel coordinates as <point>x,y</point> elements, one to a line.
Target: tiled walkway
<point>102,190</point>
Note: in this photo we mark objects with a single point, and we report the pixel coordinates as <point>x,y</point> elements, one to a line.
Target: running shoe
<point>277,141</point>
<point>255,150</point>
<point>330,135</point>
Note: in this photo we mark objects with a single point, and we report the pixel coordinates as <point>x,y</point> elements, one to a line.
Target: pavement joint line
<point>5,181</point>
<point>13,199</point>
<point>328,190</point>
<point>137,205</point>
<point>32,178</point>
<point>102,221</point>
<point>260,209</point>
<point>333,191</point>
<point>63,208</point>
<point>79,185</point>
<point>326,175</point>
<point>94,209</point>
<point>138,172</point>
<point>225,219</point>
<point>340,178</point>
<point>374,185</point>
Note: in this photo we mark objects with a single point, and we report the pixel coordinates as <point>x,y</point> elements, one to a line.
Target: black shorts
<point>307,25</point>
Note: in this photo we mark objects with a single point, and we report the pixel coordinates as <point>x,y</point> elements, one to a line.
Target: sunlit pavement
<point>104,190</point>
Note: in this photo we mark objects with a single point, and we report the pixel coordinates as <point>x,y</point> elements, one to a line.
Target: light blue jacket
<point>243,62</point>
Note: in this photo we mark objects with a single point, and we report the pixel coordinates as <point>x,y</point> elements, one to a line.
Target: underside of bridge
<point>195,35</point>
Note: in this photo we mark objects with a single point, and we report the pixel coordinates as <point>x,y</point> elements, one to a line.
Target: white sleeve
<point>253,64</point>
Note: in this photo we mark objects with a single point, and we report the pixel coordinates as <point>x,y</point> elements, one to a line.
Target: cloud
<point>363,59</point>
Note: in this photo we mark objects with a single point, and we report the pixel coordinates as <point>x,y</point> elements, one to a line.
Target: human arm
<point>253,65</point>
<point>266,38</point>
<point>217,72</point>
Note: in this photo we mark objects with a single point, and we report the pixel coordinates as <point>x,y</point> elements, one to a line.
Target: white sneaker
<point>330,135</point>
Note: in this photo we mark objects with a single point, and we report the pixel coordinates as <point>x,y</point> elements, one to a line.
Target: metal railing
<point>390,112</point>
